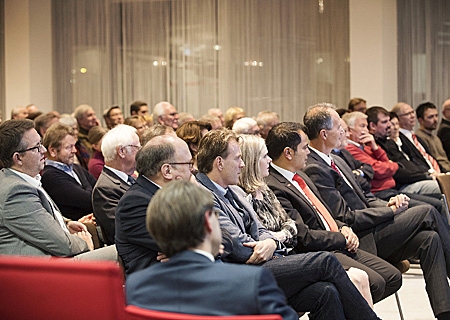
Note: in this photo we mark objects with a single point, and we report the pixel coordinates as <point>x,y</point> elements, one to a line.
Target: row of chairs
<point>57,288</point>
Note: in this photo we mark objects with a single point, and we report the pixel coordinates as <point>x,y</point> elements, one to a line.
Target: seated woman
<point>268,208</point>
<point>137,122</point>
<point>96,162</point>
<point>192,132</point>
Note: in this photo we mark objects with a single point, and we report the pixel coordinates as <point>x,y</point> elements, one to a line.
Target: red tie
<point>427,157</point>
<point>316,203</point>
<point>333,166</point>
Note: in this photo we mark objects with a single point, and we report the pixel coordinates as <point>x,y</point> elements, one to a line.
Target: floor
<point>413,299</point>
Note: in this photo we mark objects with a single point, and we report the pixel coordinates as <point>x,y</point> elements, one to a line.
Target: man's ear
<point>166,171</point>
<point>120,152</point>
<point>420,121</point>
<point>208,217</point>
<point>288,153</point>
<point>218,163</point>
<point>17,159</point>
<point>52,151</point>
<point>372,127</point>
<point>323,134</point>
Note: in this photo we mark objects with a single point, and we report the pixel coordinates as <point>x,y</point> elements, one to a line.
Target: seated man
<point>163,159</point>
<point>119,147</point>
<point>418,232</point>
<point>86,119</point>
<point>68,184</point>
<point>30,223</point>
<point>182,220</point>
<point>314,281</point>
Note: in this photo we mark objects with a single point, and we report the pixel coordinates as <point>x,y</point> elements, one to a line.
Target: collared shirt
<point>408,134</point>
<point>122,175</point>
<point>63,167</point>
<point>290,176</point>
<point>328,159</point>
<point>205,253</point>
<point>159,187</point>
<point>221,189</point>
<point>36,182</point>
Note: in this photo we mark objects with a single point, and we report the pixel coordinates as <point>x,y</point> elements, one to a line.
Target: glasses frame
<point>190,163</point>
<point>38,147</point>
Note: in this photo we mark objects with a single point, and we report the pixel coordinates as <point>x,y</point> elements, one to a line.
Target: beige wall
<point>373,51</point>
<point>28,52</point>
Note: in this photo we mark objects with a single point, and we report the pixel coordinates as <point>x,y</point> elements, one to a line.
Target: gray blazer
<point>27,224</point>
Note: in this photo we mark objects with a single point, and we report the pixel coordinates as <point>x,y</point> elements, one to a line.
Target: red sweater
<point>383,168</point>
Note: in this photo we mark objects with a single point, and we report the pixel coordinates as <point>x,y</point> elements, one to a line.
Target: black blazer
<point>444,134</point>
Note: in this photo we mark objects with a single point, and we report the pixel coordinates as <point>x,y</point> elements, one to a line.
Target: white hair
<point>119,136</point>
<point>244,125</point>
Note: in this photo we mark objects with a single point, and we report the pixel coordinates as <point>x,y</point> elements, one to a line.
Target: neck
<point>426,130</point>
<point>321,146</point>
<point>118,165</point>
<point>217,178</point>
<point>284,164</point>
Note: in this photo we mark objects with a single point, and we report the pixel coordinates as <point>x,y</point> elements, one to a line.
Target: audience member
<point>184,224</point>
<point>246,126</point>
<point>418,232</point>
<point>191,133</point>
<point>163,159</point>
<point>68,184</point>
<point>113,116</point>
<point>31,108</point>
<point>139,123</point>
<point>427,116</point>
<point>232,115</point>
<point>357,104</point>
<point>342,111</point>
<point>216,112</point>
<point>97,161</point>
<point>31,224</point>
<point>266,120</point>
<point>154,131</point>
<point>165,113</point>
<point>317,274</point>
<point>212,120</point>
<point>411,144</point>
<point>86,120</point>
<point>44,121</point>
<point>139,108</point>
<point>119,147</point>
<point>184,117</point>
<point>70,121</point>
<point>19,112</point>
<point>444,127</point>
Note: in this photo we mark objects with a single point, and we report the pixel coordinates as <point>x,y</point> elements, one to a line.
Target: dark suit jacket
<point>232,222</point>
<point>133,242</point>
<point>444,134</point>
<point>312,234</point>
<point>105,197</point>
<point>73,199</point>
<point>190,283</point>
<point>413,153</point>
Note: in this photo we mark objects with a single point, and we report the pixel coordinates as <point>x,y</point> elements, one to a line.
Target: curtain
<point>423,51</point>
<point>280,55</point>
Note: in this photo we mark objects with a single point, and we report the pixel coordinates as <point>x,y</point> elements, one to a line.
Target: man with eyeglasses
<point>30,222</point>
<point>165,113</point>
<point>163,159</point>
<point>119,148</point>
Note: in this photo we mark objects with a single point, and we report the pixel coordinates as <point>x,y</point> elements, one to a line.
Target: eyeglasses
<point>190,163</point>
<point>407,114</point>
<point>39,147</point>
<point>134,146</point>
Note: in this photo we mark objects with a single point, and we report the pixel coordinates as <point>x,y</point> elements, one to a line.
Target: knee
<point>329,295</point>
<point>359,277</point>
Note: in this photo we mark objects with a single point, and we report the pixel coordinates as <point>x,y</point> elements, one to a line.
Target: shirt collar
<point>59,165</point>
<point>122,175</point>
<point>221,189</point>
<point>205,253</point>
<point>354,143</point>
<point>35,182</point>
<point>285,173</point>
<point>407,133</point>
<point>325,158</point>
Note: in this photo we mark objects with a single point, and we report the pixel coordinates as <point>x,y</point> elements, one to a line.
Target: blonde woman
<point>269,210</point>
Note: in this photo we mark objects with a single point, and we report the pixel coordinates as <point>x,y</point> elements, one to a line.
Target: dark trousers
<point>317,282</point>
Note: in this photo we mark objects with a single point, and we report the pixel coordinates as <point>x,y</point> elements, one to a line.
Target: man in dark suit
<point>67,183</point>
<point>163,159</point>
<point>444,127</point>
<point>182,220</point>
<point>314,282</point>
<point>119,147</point>
<point>418,232</point>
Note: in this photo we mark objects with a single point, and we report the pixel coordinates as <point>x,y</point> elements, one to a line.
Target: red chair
<point>136,313</point>
<point>57,288</point>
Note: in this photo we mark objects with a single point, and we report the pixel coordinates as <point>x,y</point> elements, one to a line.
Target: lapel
<point>115,179</point>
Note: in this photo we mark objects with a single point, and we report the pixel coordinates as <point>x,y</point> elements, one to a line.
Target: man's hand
<point>88,219</point>
<point>86,236</point>
<point>262,251</point>
<point>352,239</point>
<point>368,139</point>
<point>161,257</point>
<point>75,226</point>
<point>399,203</point>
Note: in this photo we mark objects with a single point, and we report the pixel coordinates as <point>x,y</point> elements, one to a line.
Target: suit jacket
<point>190,283</point>
<point>27,224</point>
<point>413,153</point>
<point>133,242</point>
<point>444,134</point>
<point>348,203</point>
<point>312,234</point>
<point>106,194</point>
<point>236,234</point>
<point>73,199</point>
<point>434,146</point>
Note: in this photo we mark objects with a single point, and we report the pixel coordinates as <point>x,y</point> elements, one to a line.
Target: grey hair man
<point>165,113</point>
<point>266,120</point>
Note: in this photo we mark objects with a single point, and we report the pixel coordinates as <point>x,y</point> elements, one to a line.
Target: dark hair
<point>212,145</point>
<point>392,115</point>
<point>420,110</point>
<point>284,134</point>
<point>176,216</point>
<point>42,121</point>
<point>316,119</point>
<point>372,114</point>
<point>353,102</point>
<point>342,111</point>
<point>55,134</point>
<point>153,155</point>
<point>136,106</point>
<point>11,134</point>
<point>191,133</point>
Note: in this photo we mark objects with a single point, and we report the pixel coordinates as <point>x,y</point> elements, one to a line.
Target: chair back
<point>57,288</point>
<point>136,313</point>
<point>444,185</point>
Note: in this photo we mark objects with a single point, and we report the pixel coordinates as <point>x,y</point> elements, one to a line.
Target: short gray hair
<point>119,136</point>
<point>350,118</point>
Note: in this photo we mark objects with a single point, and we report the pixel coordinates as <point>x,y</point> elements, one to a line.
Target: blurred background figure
<point>137,122</point>
<point>216,112</point>
<point>232,115</point>
<point>246,126</point>
<point>266,120</point>
<point>96,162</point>
<point>357,104</point>
<point>139,108</point>
<point>113,116</point>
